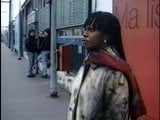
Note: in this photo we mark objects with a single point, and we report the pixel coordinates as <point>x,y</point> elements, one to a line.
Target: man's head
<point>31,33</point>
<point>47,32</point>
<point>40,34</point>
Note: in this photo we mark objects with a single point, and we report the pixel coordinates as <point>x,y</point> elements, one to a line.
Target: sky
<point>5,10</point>
<point>4,14</point>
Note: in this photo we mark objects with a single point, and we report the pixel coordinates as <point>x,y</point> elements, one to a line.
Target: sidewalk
<point>27,98</point>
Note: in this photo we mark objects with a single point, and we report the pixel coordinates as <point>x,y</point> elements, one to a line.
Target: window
<point>102,5</point>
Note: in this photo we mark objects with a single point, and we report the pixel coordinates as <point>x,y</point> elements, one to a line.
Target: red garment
<point>136,104</point>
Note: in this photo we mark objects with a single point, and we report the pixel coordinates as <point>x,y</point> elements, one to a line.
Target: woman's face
<point>93,39</point>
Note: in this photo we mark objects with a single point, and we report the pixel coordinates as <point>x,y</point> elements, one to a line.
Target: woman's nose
<point>85,34</point>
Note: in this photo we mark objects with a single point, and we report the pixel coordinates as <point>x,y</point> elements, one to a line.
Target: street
<point>25,98</point>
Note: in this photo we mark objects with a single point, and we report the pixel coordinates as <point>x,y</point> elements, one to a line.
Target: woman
<point>31,48</point>
<point>104,88</point>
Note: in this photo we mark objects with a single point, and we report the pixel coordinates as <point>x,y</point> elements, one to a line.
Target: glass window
<point>102,5</point>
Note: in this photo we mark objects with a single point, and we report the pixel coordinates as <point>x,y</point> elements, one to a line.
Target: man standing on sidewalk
<point>45,51</point>
<point>31,48</point>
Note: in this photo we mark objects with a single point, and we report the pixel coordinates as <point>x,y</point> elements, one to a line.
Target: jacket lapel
<point>76,90</point>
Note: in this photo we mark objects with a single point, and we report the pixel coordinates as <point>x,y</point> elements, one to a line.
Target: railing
<point>72,40</point>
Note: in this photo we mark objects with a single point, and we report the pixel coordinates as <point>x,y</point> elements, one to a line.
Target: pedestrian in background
<point>39,38</point>
<point>39,41</point>
<point>31,48</point>
<point>45,52</point>
<point>105,87</point>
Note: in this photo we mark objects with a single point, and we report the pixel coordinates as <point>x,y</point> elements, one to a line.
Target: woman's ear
<point>107,37</point>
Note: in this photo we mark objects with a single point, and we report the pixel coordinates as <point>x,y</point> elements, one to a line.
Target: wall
<point>140,30</point>
<point>43,18</point>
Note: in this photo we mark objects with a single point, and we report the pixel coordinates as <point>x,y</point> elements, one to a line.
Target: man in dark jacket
<point>31,48</point>
<point>45,51</point>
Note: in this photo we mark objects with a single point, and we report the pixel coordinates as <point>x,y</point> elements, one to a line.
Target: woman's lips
<point>83,39</point>
<point>85,42</point>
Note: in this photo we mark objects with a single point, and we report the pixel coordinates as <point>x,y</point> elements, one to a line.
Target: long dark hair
<point>108,24</point>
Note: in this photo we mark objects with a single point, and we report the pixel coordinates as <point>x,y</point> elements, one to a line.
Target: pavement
<point>25,98</point>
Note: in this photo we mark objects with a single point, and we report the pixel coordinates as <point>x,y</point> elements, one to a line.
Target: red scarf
<point>136,104</point>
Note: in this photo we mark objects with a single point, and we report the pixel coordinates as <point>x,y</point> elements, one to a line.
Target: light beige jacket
<point>101,95</point>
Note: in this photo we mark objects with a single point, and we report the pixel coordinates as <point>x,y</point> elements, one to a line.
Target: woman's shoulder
<point>115,78</point>
<point>109,74</point>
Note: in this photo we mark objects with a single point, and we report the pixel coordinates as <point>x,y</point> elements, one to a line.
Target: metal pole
<point>20,40</point>
<point>10,39</point>
<point>53,72</point>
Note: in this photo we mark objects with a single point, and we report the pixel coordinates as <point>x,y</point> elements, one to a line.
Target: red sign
<point>140,24</point>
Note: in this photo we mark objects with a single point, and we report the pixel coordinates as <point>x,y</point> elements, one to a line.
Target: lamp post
<point>53,71</point>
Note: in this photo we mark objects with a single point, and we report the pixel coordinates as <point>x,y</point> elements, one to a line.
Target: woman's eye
<point>89,29</point>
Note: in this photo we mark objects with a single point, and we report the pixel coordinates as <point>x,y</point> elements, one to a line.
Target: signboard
<point>140,25</point>
<point>71,12</point>
<point>31,17</point>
